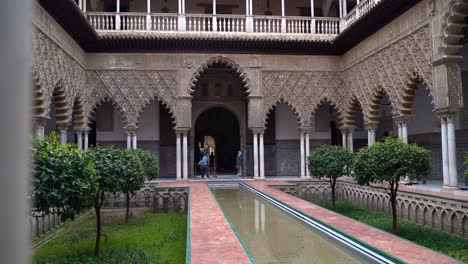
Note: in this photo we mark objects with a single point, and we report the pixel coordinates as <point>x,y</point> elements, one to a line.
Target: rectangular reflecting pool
<point>271,235</point>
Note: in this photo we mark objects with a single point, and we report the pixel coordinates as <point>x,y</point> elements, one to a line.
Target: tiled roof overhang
<point>69,16</point>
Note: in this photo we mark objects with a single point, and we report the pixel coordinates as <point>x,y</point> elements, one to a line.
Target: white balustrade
<point>327,26</point>
<point>267,24</point>
<point>230,23</point>
<point>164,22</point>
<point>201,23</point>
<point>359,11</point>
<point>101,20</point>
<point>132,21</point>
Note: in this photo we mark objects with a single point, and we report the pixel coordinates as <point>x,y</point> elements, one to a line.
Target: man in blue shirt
<point>203,164</point>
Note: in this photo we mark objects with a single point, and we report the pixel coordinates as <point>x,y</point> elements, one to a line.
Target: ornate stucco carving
<point>220,60</point>
<point>55,69</point>
<point>131,91</point>
<point>301,90</point>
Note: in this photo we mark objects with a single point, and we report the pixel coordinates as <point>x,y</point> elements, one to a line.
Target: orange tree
<point>108,169</point>
<point>330,163</point>
<point>64,177</point>
<point>387,163</point>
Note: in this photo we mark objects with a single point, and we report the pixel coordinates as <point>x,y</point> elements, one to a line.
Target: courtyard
<point>231,131</point>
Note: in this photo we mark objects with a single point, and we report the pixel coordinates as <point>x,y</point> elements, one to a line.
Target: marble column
<point>302,151</point>
<point>129,139</point>
<point>178,156</point>
<point>255,154</point>
<point>185,155</point>
<point>350,140</point>
<point>445,160</point>
<point>344,138</point>
<point>39,125</point>
<point>452,151</point>
<point>404,132</point>
<point>402,123</point>
<point>371,128</point>
<point>63,133</point>
<point>307,153</point>
<point>134,139</point>
<point>79,139</point>
<point>86,140</point>
<point>262,156</point>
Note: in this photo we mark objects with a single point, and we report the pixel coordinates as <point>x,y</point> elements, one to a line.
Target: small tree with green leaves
<point>387,163</point>
<point>330,163</point>
<point>149,164</point>
<point>132,175</point>
<point>64,177</point>
<point>108,168</point>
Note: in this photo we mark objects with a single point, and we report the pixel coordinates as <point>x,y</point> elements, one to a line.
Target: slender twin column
<point>402,123</point>
<point>449,150</point>
<point>347,137</point>
<point>371,128</point>
<point>181,154</point>
<point>131,139</point>
<point>63,128</point>
<point>39,126</point>
<point>79,139</point>
<point>258,154</point>
<point>305,148</point>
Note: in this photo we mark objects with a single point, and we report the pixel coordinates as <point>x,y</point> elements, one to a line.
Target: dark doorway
<point>223,126</point>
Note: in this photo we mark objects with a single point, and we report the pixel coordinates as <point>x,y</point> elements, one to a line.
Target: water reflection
<point>273,236</point>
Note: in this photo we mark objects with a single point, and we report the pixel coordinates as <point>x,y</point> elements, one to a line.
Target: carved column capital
<point>401,119</point>
<point>258,130</point>
<point>371,126</point>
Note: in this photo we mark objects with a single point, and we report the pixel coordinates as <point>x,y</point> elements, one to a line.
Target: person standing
<point>203,165</point>
<point>239,160</point>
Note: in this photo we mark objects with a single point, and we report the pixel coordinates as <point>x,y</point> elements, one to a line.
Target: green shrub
<point>388,162</point>
<point>330,163</point>
<point>149,164</point>
<point>64,177</point>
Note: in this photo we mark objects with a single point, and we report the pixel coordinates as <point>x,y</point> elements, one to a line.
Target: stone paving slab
<point>211,237</point>
<point>403,249</point>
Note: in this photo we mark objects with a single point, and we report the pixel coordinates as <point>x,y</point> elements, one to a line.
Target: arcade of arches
<point>275,108</point>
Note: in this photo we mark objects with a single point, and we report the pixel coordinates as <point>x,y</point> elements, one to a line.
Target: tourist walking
<point>203,165</point>
<point>239,160</point>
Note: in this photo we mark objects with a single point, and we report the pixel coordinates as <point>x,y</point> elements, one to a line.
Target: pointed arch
<point>452,28</point>
<point>351,114</point>
<point>291,107</point>
<point>326,100</point>
<point>224,62</point>
<point>39,107</point>
<point>60,101</point>
<point>409,93</point>
<point>78,116</point>
<point>376,101</point>
<point>107,99</point>
<point>159,100</point>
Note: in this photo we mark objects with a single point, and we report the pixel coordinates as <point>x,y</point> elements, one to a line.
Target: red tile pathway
<point>391,244</point>
<point>211,237</point>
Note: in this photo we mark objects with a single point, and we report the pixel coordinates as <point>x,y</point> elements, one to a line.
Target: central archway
<point>223,126</point>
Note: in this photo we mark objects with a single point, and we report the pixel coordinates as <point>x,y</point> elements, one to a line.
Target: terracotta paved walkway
<point>400,248</point>
<point>211,237</point>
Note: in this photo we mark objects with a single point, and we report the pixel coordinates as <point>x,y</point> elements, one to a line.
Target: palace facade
<point>273,78</point>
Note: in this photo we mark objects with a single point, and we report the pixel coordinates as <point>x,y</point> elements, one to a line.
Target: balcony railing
<point>107,21</point>
<point>111,21</point>
<point>364,7</point>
